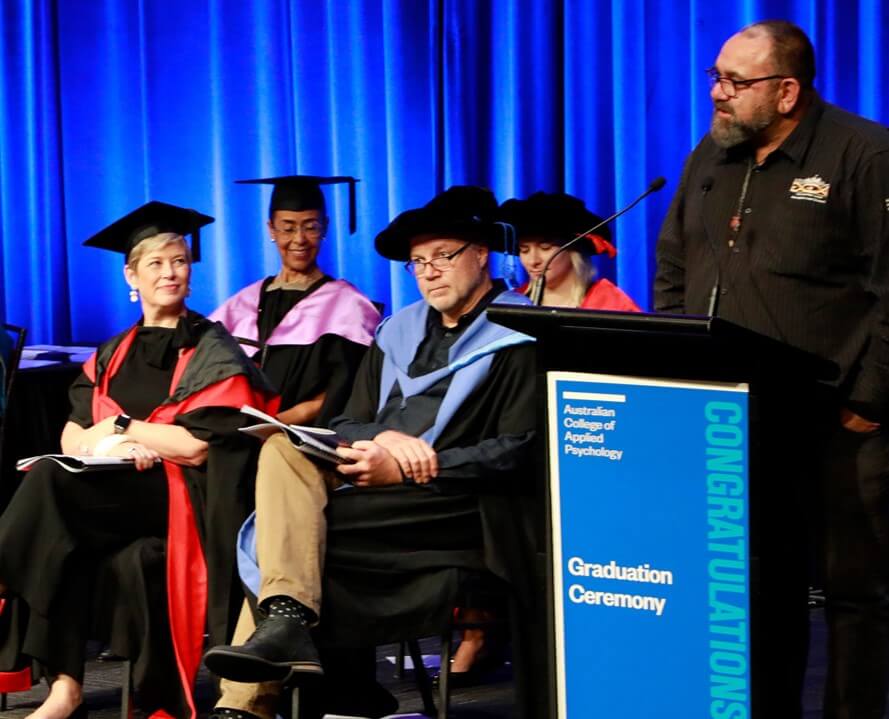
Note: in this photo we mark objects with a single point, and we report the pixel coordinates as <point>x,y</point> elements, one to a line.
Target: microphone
<point>706,186</point>
<point>535,294</point>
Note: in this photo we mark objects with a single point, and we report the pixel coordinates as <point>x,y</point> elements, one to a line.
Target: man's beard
<point>729,131</point>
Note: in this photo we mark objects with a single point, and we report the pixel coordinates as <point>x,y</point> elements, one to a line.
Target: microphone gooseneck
<point>535,291</point>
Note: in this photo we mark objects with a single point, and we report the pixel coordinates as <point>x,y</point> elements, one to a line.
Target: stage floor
<point>103,683</point>
<point>492,701</point>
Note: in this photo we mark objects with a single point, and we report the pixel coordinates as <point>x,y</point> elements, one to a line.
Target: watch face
<point>122,423</point>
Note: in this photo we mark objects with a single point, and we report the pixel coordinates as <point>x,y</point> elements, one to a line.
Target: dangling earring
<point>134,295</point>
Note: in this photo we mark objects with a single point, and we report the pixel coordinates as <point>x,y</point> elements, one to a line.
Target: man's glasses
<point>730,86</point>
<point>311,230</point>
<point>442,263</point>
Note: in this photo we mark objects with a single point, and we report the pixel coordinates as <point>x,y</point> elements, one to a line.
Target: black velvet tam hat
<point>149,220</point>
<point>462,212</point>
<point>558,218</point>
<point>299,193</point>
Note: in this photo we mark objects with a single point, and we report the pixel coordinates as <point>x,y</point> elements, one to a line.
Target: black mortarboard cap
<point>298,193</point>
<point>151,219</point>
<point>461,211</point>
<point>555,216</point>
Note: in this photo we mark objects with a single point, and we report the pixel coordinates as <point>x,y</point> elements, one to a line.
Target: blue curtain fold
<point>107,104</point>
<point>33,249</point>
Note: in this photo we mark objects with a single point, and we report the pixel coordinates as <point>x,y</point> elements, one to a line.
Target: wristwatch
<point>122,423</point>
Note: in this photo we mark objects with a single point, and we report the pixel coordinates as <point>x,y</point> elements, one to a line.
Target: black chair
<point>487,593</point>
<point>12,343</point>
<point>493,593</point>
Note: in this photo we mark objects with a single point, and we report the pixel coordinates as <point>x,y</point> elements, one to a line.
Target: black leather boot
<point>280,648</point>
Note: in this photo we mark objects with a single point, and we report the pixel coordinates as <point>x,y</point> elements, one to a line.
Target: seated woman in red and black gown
<point>543,224</point>
<point>165,395</point>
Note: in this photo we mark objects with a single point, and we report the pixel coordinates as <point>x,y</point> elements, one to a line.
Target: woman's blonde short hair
<point>155,242</point>
<point>585,272</point>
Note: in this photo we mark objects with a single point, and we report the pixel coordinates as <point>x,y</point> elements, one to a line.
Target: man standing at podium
<point>781,224</point>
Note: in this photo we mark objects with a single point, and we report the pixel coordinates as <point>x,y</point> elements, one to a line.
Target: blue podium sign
<point>649,496</point>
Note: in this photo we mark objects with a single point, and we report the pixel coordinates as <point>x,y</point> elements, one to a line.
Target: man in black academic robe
<point>441,421</point>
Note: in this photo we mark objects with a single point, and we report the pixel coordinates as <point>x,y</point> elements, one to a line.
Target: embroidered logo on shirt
<point>813,189</point>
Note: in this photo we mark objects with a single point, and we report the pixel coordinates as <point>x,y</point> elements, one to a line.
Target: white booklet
<point>314,441</point>
<point>76,463</point>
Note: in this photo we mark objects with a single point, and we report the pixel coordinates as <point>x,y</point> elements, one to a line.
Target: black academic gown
<point>396,556</point>
<point>301,372</point>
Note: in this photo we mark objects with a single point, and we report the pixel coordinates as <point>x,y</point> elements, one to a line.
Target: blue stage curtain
<point>109,103</point>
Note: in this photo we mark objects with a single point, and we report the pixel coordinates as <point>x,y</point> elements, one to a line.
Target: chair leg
<point>294,703</point>
<point>421,676</point>
<point>399,662</point>
<point>3,702</point>
<point>125,686</point>
<point>444,675</point>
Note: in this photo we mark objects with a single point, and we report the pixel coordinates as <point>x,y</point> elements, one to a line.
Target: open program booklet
<point>314,441</point>
<point>76,463</point>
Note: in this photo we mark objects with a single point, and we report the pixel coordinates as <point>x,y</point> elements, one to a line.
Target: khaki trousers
<point>291,534</point>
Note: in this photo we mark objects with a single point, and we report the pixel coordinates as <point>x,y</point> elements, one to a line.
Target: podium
<point>675,551</point>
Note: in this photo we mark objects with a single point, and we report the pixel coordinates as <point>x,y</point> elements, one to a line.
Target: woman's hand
<point>77,440</point>
<point>304,412</point>
<point>169,441</point>
<point>143,457</point>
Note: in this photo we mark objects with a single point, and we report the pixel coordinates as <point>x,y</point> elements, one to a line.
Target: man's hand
<point>415,456</point>
<point>374,466</point>
<point>856,423</point>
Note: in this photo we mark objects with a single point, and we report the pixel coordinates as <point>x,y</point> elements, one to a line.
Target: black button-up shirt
<point>802,255</point>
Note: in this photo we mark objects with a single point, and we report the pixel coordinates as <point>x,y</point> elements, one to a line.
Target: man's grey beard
<point>728,132</point>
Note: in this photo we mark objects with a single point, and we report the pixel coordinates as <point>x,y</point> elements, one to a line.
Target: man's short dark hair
<point>792,51</point>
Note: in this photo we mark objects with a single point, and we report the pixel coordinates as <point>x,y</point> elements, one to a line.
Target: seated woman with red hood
<point>163,400</point>
<point>545,222</point>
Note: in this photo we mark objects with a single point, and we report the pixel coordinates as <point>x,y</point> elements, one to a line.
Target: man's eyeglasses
<point>442,263</point>
<point>730,86</point>
<point>311,230</point>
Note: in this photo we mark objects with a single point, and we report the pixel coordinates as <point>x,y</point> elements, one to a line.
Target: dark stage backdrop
<point>105,104</point>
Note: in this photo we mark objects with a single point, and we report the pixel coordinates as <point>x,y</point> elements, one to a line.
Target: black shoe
<point>106,655</point>
<point>368,699</point>
<point>280,648</point>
